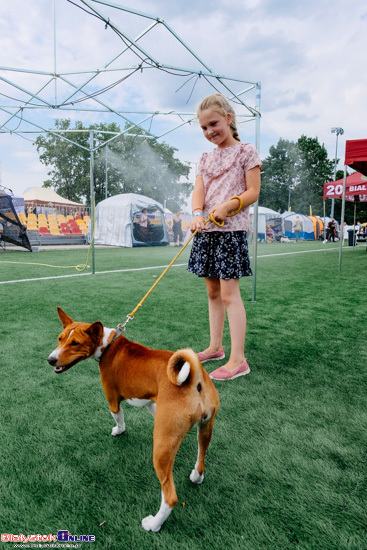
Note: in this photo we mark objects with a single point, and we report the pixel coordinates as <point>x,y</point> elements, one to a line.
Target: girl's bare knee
<point>213,289</point>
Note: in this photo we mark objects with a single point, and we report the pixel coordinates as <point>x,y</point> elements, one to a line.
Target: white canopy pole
<point>92,198</point>
<point>256,205</point>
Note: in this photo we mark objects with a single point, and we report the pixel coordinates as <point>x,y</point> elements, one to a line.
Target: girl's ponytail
<point>235,131</point>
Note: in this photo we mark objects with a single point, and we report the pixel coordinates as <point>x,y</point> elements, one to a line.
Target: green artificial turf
<point>287,464</point>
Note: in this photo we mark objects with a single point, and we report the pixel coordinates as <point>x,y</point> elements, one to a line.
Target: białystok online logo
<point>62,536</point>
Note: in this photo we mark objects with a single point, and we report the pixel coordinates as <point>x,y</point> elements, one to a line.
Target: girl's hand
<point>197,224</point>
<point>220,212</point>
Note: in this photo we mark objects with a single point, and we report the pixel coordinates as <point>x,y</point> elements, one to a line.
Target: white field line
<point>153,267</point>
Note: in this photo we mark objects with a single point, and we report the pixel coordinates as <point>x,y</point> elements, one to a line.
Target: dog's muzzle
<point>58,369</point>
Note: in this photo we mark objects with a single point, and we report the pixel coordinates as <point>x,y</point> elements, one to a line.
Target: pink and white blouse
<point>224,173</point>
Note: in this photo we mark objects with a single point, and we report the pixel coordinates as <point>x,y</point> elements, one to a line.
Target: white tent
<point>45,195</point>
<point>265,217</point>
<point>117,222</point>
<point>307,233</point>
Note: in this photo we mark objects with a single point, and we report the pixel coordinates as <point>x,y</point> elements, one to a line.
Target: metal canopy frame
<point>59,91</point>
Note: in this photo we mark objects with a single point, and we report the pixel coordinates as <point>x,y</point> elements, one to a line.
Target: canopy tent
<point>356,158</point>
<point>356,155</point>
<point>43,199</point>
<point>307,232</point>
<point>127,56</point>
<point>356,186</point>
<point>11,229</point>
<point>117,222</point>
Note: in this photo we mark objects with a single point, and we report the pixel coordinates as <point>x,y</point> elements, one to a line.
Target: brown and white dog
<point>174,388</point>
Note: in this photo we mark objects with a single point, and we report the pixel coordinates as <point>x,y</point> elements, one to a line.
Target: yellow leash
<point>129,317</point>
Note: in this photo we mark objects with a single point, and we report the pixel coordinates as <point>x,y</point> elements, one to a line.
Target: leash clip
<point>122,326</point>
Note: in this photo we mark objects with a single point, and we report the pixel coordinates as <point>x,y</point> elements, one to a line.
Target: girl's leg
<point>216,315</point>
<point>232,300</point>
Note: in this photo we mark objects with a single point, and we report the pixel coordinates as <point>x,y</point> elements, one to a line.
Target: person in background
<point>297,226</point>
<point>332,230</point>
<point>144,220</point>
<point>177,228</point>
<point>228,181</point>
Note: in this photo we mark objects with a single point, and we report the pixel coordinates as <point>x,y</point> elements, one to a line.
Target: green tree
<point>136,163</point>
<point>293,175</point>
<point>69,173</point>
<point>314,168</point>
<point>278,175</point>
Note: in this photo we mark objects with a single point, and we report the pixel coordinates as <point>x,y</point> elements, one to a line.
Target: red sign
<point>356,185</point>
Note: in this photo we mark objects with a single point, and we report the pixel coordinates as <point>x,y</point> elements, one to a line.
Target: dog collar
<point>118,333</point>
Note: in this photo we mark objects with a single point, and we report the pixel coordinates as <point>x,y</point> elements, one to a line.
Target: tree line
<point>292,175</point>
<point>135,162</point>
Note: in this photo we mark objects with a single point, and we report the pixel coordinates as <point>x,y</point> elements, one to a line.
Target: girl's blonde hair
<point>220,104</point>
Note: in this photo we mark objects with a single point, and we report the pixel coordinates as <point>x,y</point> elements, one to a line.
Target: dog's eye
<point>59,338</point>
<point>74,343</point>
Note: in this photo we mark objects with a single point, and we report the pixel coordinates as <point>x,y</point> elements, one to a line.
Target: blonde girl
<point>228,179</point>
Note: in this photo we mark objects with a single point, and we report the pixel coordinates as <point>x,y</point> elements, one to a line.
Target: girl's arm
<point>197,203</point>
<point>248,197</point>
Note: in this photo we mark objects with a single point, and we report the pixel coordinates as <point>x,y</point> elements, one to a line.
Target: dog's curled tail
<point>182,366</point>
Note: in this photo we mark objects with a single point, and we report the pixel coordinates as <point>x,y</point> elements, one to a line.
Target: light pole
<point>290,188</point>
<point>338,131</point>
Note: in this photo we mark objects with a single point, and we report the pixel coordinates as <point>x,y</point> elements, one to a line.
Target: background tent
<point>265,217</point>
<point>117,222</point>
<point>356,185</point>
<point>289,218</point>
<point>356,158</point>
<point>356,155</point>
<point>46,200</point>
<point>11,229</point>
<point>261,223</point>
<point>318,226</point>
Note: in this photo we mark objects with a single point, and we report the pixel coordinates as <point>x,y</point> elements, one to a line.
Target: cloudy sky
<point>308,56</point>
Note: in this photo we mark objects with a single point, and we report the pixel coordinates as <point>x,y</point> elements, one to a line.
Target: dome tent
<point>117,222</point>
<point>306,234</point>
<point>318,226</point>
<point>266,216</point>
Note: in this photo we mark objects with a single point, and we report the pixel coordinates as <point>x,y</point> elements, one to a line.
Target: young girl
<point>228,179</point>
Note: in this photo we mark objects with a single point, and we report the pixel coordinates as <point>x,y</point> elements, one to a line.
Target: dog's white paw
<point>195,477</point>
<point>150,524</point>
<point>117,430</point>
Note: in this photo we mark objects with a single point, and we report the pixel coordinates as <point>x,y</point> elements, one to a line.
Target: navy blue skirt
<point>220,254</point>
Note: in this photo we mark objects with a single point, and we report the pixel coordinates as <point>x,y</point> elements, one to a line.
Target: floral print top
<point>224,173</point>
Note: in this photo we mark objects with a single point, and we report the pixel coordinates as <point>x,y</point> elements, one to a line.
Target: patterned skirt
<point>220,254</point>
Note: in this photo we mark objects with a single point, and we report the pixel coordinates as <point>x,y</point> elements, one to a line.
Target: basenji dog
<point>173,386</point>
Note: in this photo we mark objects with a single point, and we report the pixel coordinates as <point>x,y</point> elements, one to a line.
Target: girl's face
<point>216,128</point>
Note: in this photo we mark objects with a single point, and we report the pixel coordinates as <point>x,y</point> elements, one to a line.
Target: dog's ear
<point>95,331</point>
<point>65,319</point>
